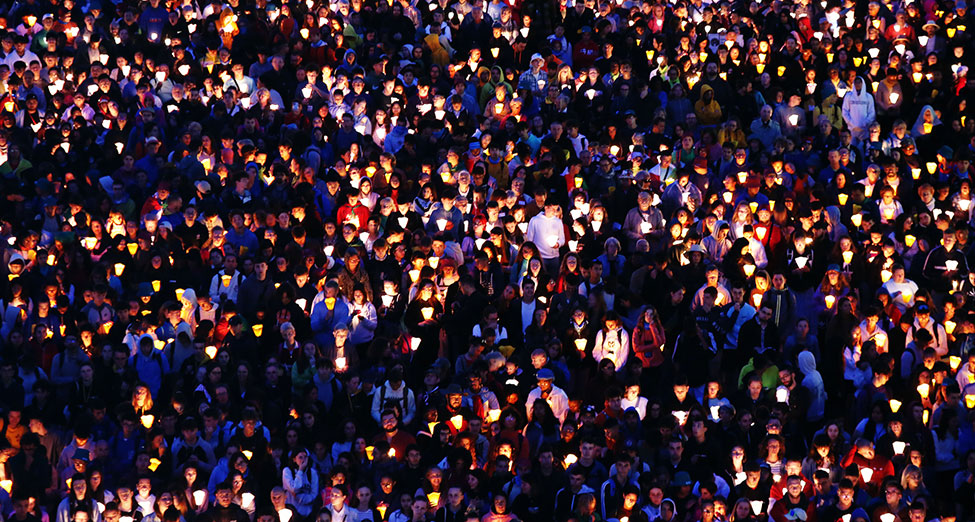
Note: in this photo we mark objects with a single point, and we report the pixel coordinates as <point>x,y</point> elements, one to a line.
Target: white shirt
<point>527,314</point>
<point>542,230</point>
<point>557,399</point>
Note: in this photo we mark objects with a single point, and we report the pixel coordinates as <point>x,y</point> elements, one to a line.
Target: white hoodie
<point>858,109</point>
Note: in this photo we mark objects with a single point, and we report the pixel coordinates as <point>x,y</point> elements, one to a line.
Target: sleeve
<point>624,348</point>
<point>847,117</point>
<point>370,319</point>
<point>307,498</point>
<point>287,481</point>
<point>528,404</point>
<point>215,288</point>
<point>410,407</point>
<point>942,340</point>
<point>597,349</point>
<point>376,405</point>
<point>531,232</point>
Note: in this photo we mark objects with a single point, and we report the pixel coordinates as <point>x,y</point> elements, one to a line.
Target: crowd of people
<point>411,260</point>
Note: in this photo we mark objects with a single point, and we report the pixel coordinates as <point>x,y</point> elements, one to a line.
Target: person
<point>553,395</point>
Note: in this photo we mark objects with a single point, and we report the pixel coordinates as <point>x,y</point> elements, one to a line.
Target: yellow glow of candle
<point>570,459</point>
<point>923,390</point>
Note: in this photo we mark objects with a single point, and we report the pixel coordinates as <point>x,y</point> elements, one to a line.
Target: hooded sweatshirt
<point>654,512</point>
<point>858,109</point>
<point>813,381</point>
<point>708,112</point>
<point>717,248</point>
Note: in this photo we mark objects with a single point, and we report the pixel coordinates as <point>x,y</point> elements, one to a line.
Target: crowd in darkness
<point>487,261</point>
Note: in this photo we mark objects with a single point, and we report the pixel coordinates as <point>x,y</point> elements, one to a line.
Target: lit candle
<point>899,447</point>
<point>415,343</point>
<point>830,301</point>
<point>119,268</point>
<point>427,312</point>
<point>954,361</point>
<point>781,395</point>
<point>570,459</point>
<point>681,416</point>
<point>211,351</point>
<point>493,415</point>
<point>950,328</point>
<point>749,269</point>
<point>147,420</point>
<point>258,329</point>
<point>923,390</point>
<point>866,473</point>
